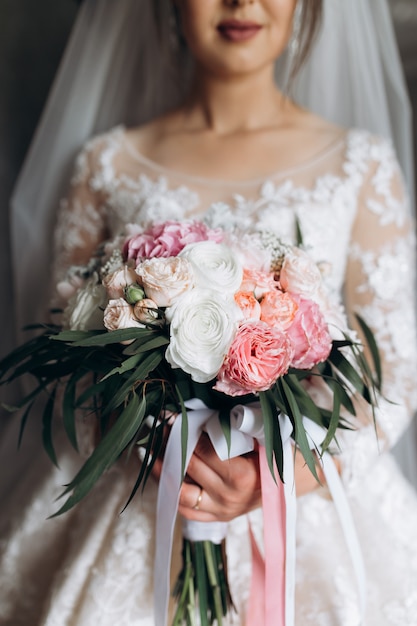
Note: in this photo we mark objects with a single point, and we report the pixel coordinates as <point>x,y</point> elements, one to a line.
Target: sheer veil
<point>122,66</point>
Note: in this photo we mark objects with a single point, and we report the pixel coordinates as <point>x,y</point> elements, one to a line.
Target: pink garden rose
<point>258,356</point>
<point>168,239</point>
<point>309,335</point>
<point>278,309</point>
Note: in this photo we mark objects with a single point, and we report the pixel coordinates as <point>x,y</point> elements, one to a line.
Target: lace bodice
<point>350,205</point>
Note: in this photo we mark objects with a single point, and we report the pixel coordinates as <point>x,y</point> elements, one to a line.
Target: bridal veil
<point>122,65</point>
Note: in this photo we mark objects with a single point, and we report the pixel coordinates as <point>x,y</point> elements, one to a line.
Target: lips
<point>238,30</point>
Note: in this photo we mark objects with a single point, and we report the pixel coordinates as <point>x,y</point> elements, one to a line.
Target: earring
<point>294,43</point>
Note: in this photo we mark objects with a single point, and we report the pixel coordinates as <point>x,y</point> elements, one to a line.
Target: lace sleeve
<point>380,287</point>
<point>81,223</point>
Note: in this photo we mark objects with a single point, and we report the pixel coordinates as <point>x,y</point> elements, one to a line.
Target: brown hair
<point>311,17</point>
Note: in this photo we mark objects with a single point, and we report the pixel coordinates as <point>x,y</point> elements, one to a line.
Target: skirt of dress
<point>94,566</point>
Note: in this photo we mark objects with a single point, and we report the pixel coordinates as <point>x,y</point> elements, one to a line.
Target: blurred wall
<point>32,37</point>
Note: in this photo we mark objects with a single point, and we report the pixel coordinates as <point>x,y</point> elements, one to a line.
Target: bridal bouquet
<point>177,312</point>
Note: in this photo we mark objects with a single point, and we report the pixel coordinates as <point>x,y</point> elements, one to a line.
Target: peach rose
<point>147,312</point>
<point>309,335</point>
<point>248,304</point>
<point>278,309</point>
<point>116,282</point>
<point>300,274</point>
<point>165,279</point>
<point>119,314</point>
<point>258,282</point>
<point>258,356</point>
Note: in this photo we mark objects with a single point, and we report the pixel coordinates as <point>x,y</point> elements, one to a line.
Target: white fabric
<point>100,562</point>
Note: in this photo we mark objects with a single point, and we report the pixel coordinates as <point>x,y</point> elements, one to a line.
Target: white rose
<point>165,279</point>
<point>300,274</point>
<point>203,325</point>
<point>84,311</point>
<point>215,266</point>
<point>116,282</point>
<point>119,314</point>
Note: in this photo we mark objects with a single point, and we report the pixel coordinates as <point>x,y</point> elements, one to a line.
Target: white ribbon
<point>246,424</point>
<point>316,435</point>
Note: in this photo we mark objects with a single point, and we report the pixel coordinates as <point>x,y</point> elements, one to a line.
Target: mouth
<point>238,30</point>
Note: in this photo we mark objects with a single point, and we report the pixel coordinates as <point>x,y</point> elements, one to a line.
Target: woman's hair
<point>310,21</point>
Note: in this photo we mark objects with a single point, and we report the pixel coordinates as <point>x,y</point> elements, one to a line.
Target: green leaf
<point>68,408</point>
<point>139,375</point>
<point>373,348</point>
<point>224,419</point>
<point>23,422</point>
<point>71,336</point>
<point>300,435</point>
<point>335,418</point>
<point>348,371</point>
<point>115,336</point>
<point>184,431</point>
<point>107,452</point>
<point>155,342</point>
<point>126,366</point>
<point>273,441</point>
<point>202,582</point>
<point>47,428</point>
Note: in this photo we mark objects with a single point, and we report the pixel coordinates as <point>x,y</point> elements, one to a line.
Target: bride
<point>235,150</point>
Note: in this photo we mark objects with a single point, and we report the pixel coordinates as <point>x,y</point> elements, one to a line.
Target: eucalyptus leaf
<point>47,428</point>
<point>107,452</point>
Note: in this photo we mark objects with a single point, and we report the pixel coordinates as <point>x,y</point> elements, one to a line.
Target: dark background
<point>33,34</point>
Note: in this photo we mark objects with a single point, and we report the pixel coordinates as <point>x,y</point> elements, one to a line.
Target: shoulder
<point>91,159</point>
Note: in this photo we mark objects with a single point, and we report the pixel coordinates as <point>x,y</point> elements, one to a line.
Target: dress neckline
<point>338,142</point>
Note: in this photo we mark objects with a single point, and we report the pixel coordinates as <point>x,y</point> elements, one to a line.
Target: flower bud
<point>147,312</point>
<point>133,293</point>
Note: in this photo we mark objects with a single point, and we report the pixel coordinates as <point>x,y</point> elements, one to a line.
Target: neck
<point>227,105</point>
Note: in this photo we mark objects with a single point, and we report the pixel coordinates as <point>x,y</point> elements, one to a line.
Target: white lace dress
<point>93,566</point>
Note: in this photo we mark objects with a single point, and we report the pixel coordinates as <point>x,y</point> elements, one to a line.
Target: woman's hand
<point>216,490</point>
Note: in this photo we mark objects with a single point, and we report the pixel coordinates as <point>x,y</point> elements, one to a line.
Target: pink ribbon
<point>267,594</point>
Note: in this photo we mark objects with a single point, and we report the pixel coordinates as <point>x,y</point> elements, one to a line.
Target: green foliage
<point>122,383</point>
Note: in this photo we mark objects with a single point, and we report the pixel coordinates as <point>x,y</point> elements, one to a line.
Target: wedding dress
<point>93,565</point>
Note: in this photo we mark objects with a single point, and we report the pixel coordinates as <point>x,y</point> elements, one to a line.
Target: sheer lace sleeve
<point>81,223</point>
<point>380,288</point>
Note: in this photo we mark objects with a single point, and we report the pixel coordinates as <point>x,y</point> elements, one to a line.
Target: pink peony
<point>278,309</point>
<point>258,356</point>
<point>167,239</point>
<point>309,335</point>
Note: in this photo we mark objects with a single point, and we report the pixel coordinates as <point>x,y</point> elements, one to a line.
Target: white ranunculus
<point>84,310</point>
<point>215,266</point>
<point>165,279</point>
<point>203,325</point>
